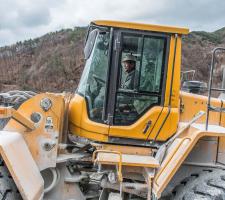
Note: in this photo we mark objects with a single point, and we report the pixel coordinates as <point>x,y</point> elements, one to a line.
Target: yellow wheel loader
<point>128,132</point>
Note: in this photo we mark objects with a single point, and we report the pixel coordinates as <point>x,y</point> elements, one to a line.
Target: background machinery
<point>151,141</point>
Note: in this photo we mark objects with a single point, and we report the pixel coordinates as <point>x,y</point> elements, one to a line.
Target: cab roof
<point>140,26</point>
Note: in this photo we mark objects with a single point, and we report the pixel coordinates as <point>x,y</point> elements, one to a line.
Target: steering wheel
<point>98,79</point>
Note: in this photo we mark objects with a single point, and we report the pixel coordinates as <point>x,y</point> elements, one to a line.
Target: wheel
<point>208,185</point>
<point>8,189</point>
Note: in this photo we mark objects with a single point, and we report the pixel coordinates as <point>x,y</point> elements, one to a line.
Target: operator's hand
<point>125,108</point>
<point>97,112</point>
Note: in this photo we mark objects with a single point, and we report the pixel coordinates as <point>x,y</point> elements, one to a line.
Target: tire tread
<point>8,189</point>
<point>207,185</point>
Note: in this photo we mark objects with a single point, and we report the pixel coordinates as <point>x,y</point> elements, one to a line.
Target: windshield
<point>93,80</point>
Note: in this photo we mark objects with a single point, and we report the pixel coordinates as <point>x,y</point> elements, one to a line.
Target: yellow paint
<point>157,117</point>
<point>169,127</point>
<point>193,103</point>
<point>169,71</point>
<point>136,130</point>
<point>81,125</point>
<point>9,112</point>
<point>75,113</point>
<point>88,134</point>
<point>176,74</point>
<point>176,79</point>
<point>33,137</point>
<point>133,150</point>
<point>127,160</point>
<point>139,26</point>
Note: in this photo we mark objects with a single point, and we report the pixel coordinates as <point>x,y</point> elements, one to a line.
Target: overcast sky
<point>25,19</point>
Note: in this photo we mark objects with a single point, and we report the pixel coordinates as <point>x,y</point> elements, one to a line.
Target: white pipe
<point>56,176</point>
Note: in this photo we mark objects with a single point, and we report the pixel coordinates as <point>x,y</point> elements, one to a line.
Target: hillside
<point>55,61</point>
<point>52,62</point>
<point>197,51</point>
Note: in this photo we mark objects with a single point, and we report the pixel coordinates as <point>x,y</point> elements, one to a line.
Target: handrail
<point>210,84</point>
<point>119,173</point>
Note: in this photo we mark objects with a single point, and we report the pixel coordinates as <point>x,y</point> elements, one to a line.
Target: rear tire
<point>8,189</point>
<point>209,185</point>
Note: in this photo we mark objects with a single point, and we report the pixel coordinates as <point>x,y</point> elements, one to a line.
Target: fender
<point>21,165</point>
<point>178,152</point>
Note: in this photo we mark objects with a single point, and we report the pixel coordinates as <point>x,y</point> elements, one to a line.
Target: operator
<point>128,82</point>
<point>129,64</point>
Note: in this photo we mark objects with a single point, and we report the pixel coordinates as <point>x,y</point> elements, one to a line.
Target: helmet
<point>129,57</point>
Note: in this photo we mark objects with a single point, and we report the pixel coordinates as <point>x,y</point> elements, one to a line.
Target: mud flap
<point>21,165</point>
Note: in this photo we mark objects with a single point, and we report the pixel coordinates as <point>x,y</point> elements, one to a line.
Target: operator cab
<point>130,103</point>
<point>108,102</point>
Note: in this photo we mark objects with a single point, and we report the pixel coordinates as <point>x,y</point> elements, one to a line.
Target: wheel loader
<point>107,141</point>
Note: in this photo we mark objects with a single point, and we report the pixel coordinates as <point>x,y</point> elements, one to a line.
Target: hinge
<point>109,120</point>
<point>116,44</point>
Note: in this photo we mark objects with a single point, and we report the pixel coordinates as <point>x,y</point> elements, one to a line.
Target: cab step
<point>127,160</point>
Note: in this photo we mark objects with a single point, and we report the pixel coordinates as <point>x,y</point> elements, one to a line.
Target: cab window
<point>93,80</point>
<point>142,61</point>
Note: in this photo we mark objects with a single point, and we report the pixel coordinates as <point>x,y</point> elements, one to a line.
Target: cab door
<point>87,108</point>
<point>139,112</point>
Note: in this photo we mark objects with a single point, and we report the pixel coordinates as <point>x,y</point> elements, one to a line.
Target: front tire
<point>8,189</point>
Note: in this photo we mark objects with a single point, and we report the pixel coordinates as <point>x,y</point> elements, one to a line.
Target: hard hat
<point>129,57</point>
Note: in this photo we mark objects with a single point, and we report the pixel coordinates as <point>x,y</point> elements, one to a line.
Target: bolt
<point>48,145</point>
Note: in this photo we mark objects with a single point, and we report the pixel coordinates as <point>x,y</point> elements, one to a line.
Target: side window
<point>140,80</point>
<point>130,62</point>
<point>152,61</point>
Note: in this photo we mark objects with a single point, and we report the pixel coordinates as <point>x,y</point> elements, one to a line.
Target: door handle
<point>148,124</point>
